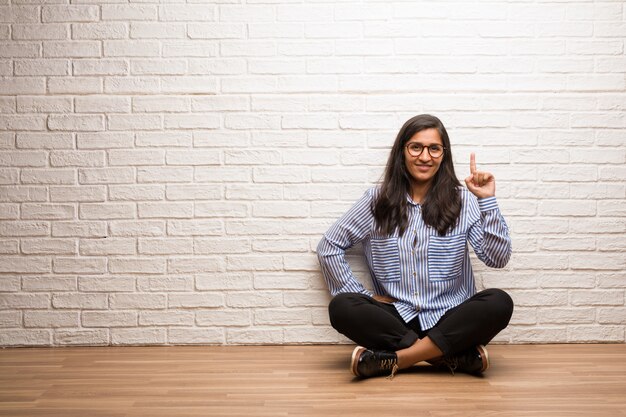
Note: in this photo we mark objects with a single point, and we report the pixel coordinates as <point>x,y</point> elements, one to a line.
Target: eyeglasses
<point>416,149</point>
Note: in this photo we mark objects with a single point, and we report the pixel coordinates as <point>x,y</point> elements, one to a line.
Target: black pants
<point>377,325</point>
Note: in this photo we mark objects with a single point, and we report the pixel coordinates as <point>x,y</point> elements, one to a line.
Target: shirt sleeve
<point>489,235</point>
<point>351,228</point>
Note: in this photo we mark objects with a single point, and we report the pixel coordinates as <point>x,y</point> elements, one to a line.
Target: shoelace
<point>390,364</point>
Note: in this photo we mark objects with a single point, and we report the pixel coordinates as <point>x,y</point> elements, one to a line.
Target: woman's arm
<point>489,235</point>
<point>354,226</point>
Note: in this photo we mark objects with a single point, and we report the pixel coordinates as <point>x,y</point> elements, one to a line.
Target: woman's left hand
<point>481,184</point>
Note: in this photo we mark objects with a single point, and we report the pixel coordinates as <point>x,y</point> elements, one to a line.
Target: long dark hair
<point>442,204</point>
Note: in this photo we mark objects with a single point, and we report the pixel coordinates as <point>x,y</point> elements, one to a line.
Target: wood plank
<point>190,381</point>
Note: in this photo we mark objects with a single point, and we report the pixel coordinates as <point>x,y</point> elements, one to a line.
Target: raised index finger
<point>472,162</point>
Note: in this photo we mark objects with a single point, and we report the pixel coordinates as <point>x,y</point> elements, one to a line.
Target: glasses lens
<point>415,149</point>
<point>435,151</point>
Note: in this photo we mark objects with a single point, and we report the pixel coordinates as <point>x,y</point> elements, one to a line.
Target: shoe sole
<point>485,357</point>
<point>354,362</point>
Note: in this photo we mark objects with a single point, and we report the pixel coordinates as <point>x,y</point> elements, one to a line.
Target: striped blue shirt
<point>426,273</point>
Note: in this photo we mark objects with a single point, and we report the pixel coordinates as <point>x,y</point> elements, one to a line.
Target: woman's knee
<point>501,305</point>
<point>341,307</point>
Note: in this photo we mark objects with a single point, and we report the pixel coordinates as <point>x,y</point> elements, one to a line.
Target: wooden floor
<point>530,380</point>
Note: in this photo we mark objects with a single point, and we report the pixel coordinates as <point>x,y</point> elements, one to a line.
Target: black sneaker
<point>367,363</point>
<point>473,361</point>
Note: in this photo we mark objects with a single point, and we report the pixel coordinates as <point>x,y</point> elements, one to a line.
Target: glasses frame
<point>443,150</point>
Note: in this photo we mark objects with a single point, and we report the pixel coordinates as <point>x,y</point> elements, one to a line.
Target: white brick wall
<point>166,170</point>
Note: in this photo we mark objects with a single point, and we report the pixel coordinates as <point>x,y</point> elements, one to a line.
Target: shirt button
<point>414,274</point>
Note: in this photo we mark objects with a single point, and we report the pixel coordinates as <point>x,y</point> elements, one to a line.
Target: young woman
<point>414,229</point>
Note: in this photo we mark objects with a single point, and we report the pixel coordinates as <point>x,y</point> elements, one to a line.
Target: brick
<point>216,31</point>
<point>600,261</point>
<point>19,14</point>
<point>161,104</point>
<point>100,67</point>
<point>165,246</point>
<point>217,66</point>
<point>109,319</point>
<point>78,194</point>
<point>257,335</point>
<point>222,173</point>
<point>595,333</point>
<point>102,104</point>
<point>220,209</point>
<point>106,176</point>
<point>64,13</point>
<point>137,265</point>
<point>164,174</point>
<point>29,301</point>
<point>129,12</point>
<point>9,247</point>
<point>37,211</point>
<point>138,336</point>
<point>136,192</point>
<point>130,48</point>
<point>22,194</point>
<point>20,50</point>
<point>79,229</point>
<point>191,121</point>
<point>137,157</point>
<point>138,301</point>
<point>158,66</point>
<point>195,265</point>
<point>25,337</point>
<point>100,31</point>
<point>224,281</point>
<point>36,67</point>
<point>597,298</point>
<point>80,301</point>
<point>611,315</point>
<point>106,211</point>
<point>289,281</point>
<point>76,123</point>
<point>195,300</point>
<point>195,157</point>
<point>73,49</point>
<point>107,246</point>
<point>81,337</point>
<point>187,13</point>
<point>10,284</point>
<point>256,299</point>
<point>140,30</point>
<point>165,209</point>
<point>164,139</point>
<point>165,284</point>
<point>137,228</point>
<point>46,105</point>
<point>9,211</point>
<point>134,122</point>
<point>193,192</point>
<point>195,227</point>
<point>10,319</point>
<point>51,319</point>
<point>282,317</point>
<point>24,229</point>
<point>216,318</point>
<point>79,265</point>
<point>131,85</point>
<point>195,49</point>
<point>256,192</point>
<point>281,175</point>
<point>195,336</point>
<point>168,318</point>
<point>37,122</point>
<point>49,283</point>
<point>25,265</point>
<point>209,246</point>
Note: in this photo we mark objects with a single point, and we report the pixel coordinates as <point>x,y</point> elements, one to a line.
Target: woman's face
<point>423,167</point>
